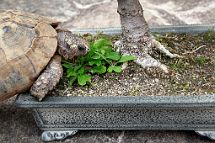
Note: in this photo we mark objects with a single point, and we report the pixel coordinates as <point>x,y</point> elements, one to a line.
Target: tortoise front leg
<point>48,79</point>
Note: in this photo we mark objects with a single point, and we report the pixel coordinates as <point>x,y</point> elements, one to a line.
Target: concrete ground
<point>17,125</point>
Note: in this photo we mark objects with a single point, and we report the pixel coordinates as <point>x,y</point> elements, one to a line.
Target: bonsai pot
<point>62,116</point>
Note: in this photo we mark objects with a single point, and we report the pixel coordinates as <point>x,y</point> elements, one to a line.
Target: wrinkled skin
<point>71,45</point>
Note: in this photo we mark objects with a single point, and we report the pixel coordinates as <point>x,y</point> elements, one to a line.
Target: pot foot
<point>57,135</point>
<point>209,134</point>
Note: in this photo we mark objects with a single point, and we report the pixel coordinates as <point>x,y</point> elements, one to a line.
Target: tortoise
<point>31,48</point>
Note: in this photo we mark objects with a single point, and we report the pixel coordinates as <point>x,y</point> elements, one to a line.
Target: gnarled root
<point>48,79</point>
<point>162,49</point>
<point>142,50</point>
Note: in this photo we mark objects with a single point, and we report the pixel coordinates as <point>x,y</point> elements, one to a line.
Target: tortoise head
<point>71,45</point>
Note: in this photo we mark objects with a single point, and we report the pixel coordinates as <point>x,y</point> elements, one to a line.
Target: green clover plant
<point>100,59</point>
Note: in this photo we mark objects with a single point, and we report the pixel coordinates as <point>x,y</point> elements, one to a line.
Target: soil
<point>193,74</point>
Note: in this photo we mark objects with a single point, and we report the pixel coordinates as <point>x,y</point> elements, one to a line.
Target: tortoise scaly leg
<point>48,79</point>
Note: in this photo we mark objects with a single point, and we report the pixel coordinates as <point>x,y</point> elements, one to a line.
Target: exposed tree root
<point>191,52</point>
<point>162,49</point>
<point>142,52</point>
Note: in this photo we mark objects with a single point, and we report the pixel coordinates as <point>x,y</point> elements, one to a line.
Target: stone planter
<point>60,117</point>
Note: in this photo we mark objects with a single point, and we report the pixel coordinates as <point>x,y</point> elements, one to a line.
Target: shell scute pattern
<point>27,43</point>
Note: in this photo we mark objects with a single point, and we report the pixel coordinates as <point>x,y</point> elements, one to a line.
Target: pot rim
<point>191,28</point>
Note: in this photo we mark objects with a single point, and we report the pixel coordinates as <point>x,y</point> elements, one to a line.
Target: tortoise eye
<point>81,47</point>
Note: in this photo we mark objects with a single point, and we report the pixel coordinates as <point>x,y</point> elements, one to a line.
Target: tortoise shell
<point>27,43</point>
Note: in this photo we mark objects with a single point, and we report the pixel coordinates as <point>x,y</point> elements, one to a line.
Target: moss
<point>209,36</point>
<point>201,60</point>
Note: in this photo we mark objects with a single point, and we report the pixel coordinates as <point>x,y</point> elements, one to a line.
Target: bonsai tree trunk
<point>136,37</point>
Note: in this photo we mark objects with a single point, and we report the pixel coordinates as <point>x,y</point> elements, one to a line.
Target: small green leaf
<point>96,56</point>
<point>99,69</point>
<point>102,51</point>
<point>113,56</point>
<point>83,79</point>
<point>95,62</point>
<point>67,65</point>
<point>117,69</point>
<point>81,70</point>
<point>71,73</point>
<point>110,69</point>
<point>107,49</point>
<point>77,67</point>
<point>101,42</point>
<point>127,58</point>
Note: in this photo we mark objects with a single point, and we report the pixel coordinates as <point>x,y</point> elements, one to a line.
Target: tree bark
<point>136,37</point>
<point>134,26</point>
